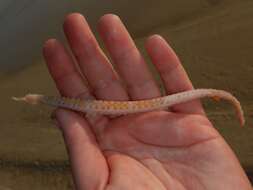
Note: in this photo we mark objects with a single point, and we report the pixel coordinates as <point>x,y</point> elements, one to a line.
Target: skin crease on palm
<point>175,149</point>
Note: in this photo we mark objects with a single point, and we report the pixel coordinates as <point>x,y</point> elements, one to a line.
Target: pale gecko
<point>106,107</point>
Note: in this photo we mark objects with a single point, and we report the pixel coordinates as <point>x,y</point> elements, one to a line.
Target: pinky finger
<point>172,73</point>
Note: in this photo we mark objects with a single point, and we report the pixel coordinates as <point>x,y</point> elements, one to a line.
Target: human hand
<point>174,149</point>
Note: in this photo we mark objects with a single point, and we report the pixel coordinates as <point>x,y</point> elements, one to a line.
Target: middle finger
<point>127,58</point>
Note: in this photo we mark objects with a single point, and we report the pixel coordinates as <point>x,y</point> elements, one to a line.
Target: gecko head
<point>29,98</point>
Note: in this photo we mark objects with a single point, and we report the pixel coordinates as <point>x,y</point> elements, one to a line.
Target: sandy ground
<point>216,50</point>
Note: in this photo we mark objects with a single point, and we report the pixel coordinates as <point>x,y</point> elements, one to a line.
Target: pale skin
<point>175,149</point>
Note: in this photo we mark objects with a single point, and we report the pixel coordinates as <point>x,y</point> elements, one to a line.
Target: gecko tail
<point>30,98</point>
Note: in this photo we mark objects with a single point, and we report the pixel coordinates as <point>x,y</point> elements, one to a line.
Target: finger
<point>67,78</point>
<point>128,60</point>
<point>62,69</point>
<point>89,166</point>
<point>93,63</point>
<point>172,73</point>
<point>77,134</point>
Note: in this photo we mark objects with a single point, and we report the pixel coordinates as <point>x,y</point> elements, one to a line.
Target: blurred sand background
<point>213,39</point>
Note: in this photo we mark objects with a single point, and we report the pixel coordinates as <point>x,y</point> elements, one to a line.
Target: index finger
<point>62,69</point>
<point>79,138</point>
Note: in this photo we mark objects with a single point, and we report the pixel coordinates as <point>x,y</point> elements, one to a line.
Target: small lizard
<point>127,107</point>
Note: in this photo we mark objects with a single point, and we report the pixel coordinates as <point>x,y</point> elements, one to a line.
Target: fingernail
<point>49,47</point>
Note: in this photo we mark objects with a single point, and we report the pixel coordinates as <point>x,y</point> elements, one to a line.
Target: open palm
<point>174,149</point>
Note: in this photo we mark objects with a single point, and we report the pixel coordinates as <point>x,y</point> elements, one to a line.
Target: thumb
<point>89,167</point>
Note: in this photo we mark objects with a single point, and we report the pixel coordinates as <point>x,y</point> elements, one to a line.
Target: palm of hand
<point>160,150</point>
